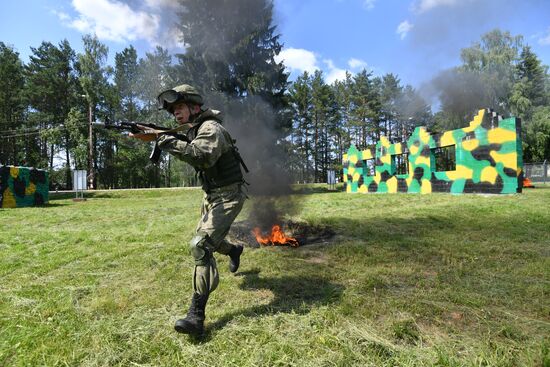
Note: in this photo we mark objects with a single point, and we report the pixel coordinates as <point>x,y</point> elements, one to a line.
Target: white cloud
<point>112,20</point>
<point>422,6</point>
<point>545,40</point>
<point>369,4</point>
<point>64,17</point>
<point>298,59</point>
<point>403,28</point>
<point>334,73</point>
<point>357,64</point>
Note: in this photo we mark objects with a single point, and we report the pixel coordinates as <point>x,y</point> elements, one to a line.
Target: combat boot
<point>193,323</point>
<point>235,257</point>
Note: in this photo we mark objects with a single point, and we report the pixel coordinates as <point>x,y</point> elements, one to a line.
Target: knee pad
<point>200,250</point>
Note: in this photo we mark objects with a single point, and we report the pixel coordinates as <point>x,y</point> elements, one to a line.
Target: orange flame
<point>276,238</point>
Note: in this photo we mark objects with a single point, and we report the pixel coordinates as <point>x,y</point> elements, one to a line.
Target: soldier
<point>209,148</point>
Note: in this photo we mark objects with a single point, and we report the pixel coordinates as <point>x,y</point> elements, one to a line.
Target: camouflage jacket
<point>210,142</point>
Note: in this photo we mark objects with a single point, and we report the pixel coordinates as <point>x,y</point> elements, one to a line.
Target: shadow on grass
<point>391,232</point>
<point>489,223</point>
<point>296,294</point>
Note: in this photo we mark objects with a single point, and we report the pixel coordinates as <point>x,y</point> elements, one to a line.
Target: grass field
<point>410,280</point>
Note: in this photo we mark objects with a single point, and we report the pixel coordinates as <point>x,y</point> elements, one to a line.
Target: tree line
<point>357,110</point>
<point>46,106</point>
<point>46,103</point>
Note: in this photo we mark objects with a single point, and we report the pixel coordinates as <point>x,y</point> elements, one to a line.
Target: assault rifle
<point>132,127</point>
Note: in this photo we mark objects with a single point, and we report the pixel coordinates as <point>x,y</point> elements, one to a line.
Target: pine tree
<point>300,98</point>
<point>231,47</point>
<point>50,89</point>
<point>322,101</point>
<point>126,73</point>
<point>528,101</point>
<point>12,106</point>
<point>530,70</point>
<point>126,161</point>
<point>390,94</point>
<point>367,108</point>
<point>93,78</point>
<point>343,93</point>
<point>230,53</point>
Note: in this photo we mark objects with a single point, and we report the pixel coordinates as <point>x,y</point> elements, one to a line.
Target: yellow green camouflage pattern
<point>22,186</point>
<point>488,160</point>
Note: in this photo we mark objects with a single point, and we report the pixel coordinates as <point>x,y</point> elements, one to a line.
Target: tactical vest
<point>226,170</point>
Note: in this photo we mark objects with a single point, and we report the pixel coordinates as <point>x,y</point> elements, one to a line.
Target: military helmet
<point>181,93</point>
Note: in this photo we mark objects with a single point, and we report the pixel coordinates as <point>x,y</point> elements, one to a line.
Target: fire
<point>276,238</point>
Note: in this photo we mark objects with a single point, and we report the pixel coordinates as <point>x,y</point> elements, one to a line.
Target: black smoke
<point>255,119</point>
<point>440,33</point>
<point>256,126</point>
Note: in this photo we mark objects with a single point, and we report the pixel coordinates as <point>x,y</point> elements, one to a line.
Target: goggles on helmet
<point>169,97</point>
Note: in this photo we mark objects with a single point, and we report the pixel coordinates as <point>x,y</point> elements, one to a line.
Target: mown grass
<point>410,280</point>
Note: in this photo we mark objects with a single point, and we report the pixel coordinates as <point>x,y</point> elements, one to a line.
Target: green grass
<point>411,280</point>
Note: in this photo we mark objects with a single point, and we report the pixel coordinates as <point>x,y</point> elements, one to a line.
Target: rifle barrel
<point>127,126</point>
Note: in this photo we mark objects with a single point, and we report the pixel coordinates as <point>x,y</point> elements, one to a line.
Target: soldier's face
<point>182,113</point>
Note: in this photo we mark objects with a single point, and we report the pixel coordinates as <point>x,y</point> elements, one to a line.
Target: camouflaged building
<point>22,186</point>
<point>485,157</point>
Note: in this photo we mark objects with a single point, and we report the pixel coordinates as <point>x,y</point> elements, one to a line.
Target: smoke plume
<point>252,121</point>
<point>254,124</point>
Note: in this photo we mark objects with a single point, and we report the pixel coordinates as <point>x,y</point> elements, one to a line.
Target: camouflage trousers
<point>219,209</point>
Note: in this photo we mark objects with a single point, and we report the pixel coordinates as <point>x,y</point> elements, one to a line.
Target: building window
<point>369,167</point>
<point>401,164</point>
<point>444,158</point>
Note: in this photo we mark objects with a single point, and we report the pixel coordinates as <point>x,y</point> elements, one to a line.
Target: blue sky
<point>411,38</point>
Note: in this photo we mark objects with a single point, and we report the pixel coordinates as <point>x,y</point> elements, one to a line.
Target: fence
<point>537,172</point>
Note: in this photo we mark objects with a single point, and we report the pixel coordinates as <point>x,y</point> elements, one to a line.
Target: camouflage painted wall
<point>22,186</point>
<point>487,159</point>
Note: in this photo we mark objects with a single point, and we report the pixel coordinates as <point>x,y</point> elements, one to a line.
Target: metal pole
<point>545,167</point>
<point>90,149</point>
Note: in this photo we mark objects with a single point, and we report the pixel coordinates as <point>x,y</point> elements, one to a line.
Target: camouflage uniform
<point>209,148</point>
<point>220,205</point>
